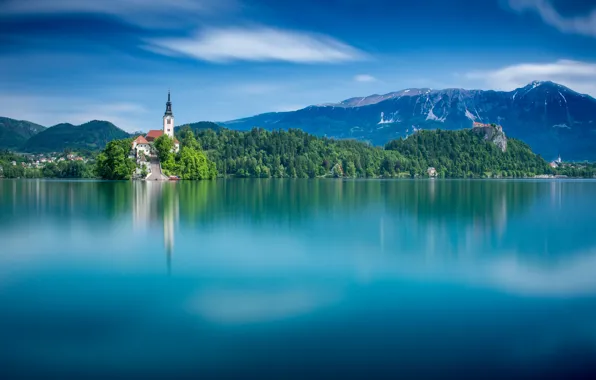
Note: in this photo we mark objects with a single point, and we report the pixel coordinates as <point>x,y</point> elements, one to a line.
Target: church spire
<point>168,106</point>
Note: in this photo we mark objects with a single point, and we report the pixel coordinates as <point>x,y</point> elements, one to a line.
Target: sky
<point>80,60</point>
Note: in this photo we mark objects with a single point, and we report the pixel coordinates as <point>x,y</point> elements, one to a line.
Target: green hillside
<point>93,135</point>
<point>294,153</point>
<point>464,153</point>
<point>200,126</point>
<point>14,133</point>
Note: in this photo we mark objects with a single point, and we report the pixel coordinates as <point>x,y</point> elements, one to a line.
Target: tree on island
<point>113,162</point>
<point>190,163</point>
<point>164,146</point>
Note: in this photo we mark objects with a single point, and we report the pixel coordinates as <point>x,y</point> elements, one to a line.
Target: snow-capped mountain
<point>551,118</point>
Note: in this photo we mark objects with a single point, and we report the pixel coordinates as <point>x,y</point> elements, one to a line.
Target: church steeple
<point>169,106</point>
<point>168,119</point>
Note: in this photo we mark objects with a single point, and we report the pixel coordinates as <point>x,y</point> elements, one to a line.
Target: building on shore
<point>144,144</point>
<point>556,163</point>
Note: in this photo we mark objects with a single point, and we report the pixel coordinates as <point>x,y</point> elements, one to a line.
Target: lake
<point>292,279</point>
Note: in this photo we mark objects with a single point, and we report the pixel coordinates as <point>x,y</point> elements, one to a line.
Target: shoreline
<point>541,177</point>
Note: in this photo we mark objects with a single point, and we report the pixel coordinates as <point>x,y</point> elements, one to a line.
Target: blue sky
<point>78,60</point>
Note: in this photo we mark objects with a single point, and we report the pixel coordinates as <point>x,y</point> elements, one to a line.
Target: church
<point>144,144</point>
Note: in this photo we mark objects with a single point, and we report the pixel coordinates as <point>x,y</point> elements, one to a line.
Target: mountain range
<point>15,133</point>
<point>553,119</point>
<point>90,136</point>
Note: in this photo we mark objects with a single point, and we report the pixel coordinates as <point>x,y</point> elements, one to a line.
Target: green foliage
<point>194,165</point>
<point>292,154</point>
<point>296,154</point>
<point>577,170</point>
<point>62,169</point>
<point>67,169</point>
<point>198,127</point>
<point>14,133</point>
<point>190,163</point>
<point>465,154</point>
<point>164,146</point>
<point>90,136</point>
<point>113,162</point>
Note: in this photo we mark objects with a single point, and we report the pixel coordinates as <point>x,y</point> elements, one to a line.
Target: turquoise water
<point>298,279</point>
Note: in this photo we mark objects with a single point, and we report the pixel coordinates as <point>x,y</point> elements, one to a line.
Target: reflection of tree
<point>273,201</point>
<point>65,202</point>
<point>481,203</point>
<point>449,217</point>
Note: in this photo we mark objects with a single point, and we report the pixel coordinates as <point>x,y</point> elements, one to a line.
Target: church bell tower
<point>168,119</point>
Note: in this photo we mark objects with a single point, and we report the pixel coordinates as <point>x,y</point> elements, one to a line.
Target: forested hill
<point>465,153</point>
<point>90,136</point>
<point>14,133</point>
<point>294,153</point>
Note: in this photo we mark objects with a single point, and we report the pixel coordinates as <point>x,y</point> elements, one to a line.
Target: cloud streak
<point>585,25</point>
<point>258,44</point>
<point>364,78</point>
<point>142,12</point>
<point>579,76</point>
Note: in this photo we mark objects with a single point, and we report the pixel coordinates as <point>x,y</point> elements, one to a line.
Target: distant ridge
<point>15,133</point>
<point>550,117</point>
<point>553,119</point>
<point>93,135</point>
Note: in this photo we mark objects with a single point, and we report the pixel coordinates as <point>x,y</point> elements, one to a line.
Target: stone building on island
<point>144,144</point>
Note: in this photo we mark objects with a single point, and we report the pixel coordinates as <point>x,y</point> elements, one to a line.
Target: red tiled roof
<point>153,134</point>
<point>141,140</point>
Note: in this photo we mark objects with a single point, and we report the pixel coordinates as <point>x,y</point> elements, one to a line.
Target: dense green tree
<point>190,162</point>
<point>13,171</point>
<point>114,163</point>
<point>465,154</point>
<point>164,146</point>
<point>194,165</point>
<point>296,154</point>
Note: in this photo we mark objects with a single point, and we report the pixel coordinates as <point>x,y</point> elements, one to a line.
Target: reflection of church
<point>144,144</point>
<point>154,203</point>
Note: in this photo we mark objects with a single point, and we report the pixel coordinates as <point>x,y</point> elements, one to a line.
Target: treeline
<point>190,162</point>
<point>114,162</point>
<point>296,154</point>
<point>293,154</point>
<point>575,170</point>
<point>205,154</point>
<point>465,154</point>
<point>62,169</point>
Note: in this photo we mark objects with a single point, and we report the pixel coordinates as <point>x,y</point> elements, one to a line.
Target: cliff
<point>493,133</point>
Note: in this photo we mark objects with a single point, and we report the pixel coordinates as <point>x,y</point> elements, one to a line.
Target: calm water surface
<point>298,279</point>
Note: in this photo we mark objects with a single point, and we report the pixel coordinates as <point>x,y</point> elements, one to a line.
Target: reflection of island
<point>156,202</point>
<point>443,218</point>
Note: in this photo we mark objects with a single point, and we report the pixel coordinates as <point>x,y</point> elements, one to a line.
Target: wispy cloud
<point>585,24</point>
<point>363,78</point>
<point>257,44</point>
<point>579,76</point>
<point>136,11</point>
